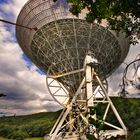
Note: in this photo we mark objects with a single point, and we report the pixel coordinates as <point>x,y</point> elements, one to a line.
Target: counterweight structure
<point>77,57</point>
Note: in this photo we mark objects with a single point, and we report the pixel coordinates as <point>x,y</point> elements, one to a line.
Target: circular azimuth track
<point>57,91</point>
<point>62,94</point>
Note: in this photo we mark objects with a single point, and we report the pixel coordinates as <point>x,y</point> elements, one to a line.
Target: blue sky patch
<point>40,72</point>
<point>28,61</point>
<point>30,64</point>
<point>3,1</point>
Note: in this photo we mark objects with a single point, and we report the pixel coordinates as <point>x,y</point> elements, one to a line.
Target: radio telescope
<point>77,57</point>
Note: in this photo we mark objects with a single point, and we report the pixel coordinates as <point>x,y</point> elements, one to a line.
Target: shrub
<point>18,135</point>
<point>135,135</point>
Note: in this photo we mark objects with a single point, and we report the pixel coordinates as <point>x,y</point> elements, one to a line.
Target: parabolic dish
<point>62,41</point>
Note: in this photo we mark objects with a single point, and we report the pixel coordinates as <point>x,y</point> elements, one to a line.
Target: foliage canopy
<point>121,15</point>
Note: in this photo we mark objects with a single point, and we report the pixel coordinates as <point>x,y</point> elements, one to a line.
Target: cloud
<point>11,8</point>
<point>17,81</point>
<point>25,87</point>
<point>115,79</point>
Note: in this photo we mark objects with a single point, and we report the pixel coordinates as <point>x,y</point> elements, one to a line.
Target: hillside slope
<point>19,127</point>
<point>37,125</point>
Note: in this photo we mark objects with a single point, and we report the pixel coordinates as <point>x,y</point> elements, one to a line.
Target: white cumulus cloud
<point>25,88</point>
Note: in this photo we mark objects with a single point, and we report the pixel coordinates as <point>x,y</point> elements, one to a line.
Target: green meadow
<point>24,139</point>
<point>34,127</point>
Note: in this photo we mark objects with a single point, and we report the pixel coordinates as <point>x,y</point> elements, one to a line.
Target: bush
<point>18,135</point>
<point>40,129</point>
<point>135,135</point>
<point>5,130</point>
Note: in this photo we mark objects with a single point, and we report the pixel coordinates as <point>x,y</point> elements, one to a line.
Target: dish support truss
<point>74,121</point>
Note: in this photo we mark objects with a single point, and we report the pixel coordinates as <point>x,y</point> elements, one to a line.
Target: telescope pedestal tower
<point>74,121</point>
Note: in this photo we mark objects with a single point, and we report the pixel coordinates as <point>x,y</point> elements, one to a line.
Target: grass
<point>40,124</point>
<point>34,139</point>
<point>25,139</point>
<point>2,138</point>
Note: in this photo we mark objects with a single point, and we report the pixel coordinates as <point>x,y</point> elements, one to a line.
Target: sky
<point>22,81</point>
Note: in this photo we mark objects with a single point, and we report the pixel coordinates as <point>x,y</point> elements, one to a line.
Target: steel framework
<point>74,121</point>
<point>59,47</point>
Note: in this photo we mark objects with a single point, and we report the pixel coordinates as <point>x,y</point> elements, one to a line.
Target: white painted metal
<point>89,91</point>
<point>68,108</point>
<point>58,91</point>
<point>112,106</point>
<point>106,111</point>
<point>56,123</point>
<point>73,133</point>
<point>65,74</point>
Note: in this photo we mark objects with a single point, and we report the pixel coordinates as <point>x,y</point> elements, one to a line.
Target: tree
<point>121,15</point>
<point>2,95</point>
<point>134,81</point>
